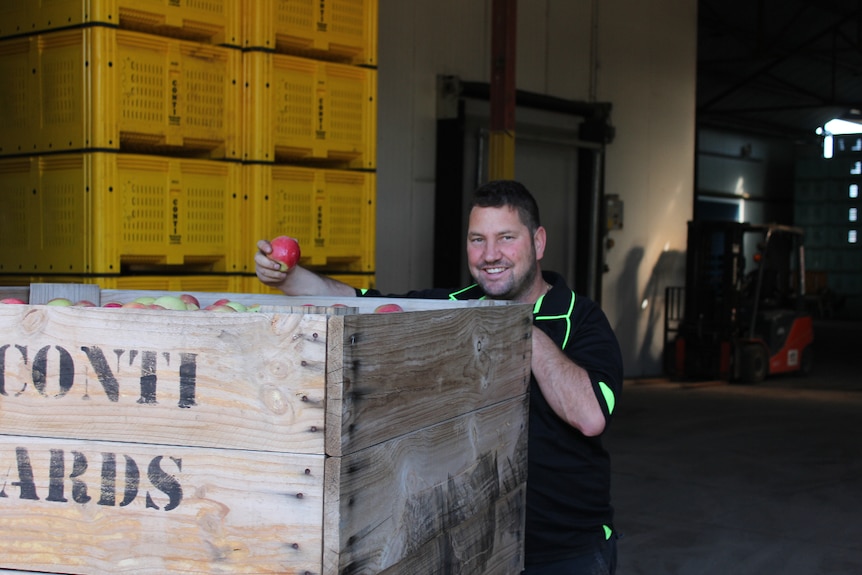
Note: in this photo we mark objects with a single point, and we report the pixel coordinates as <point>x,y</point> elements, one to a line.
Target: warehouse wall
<point>759,167</point>
<point>638,55</point>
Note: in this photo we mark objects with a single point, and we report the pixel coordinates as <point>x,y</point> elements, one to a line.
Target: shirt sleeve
<point>595,348</point>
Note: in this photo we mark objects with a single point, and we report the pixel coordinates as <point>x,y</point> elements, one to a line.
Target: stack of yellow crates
<point>147,144</point>
<point>309,144</point>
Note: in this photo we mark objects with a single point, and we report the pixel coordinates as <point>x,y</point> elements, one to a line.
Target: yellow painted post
<point>501,160</point>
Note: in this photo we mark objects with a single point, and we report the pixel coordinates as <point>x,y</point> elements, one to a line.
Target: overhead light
<point>836,127</point>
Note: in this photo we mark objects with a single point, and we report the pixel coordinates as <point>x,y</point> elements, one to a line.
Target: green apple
<point>170,302</point>
<point>220,308</point>
<point>236,305</point>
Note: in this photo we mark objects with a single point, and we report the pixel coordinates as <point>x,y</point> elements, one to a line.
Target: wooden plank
<point>42,293</point>
<point>239,380</point>
<point>487,543</point>
<point>18,292</point>
<point>399,376</point>
<point>447,498</point>
<point>114,508</point>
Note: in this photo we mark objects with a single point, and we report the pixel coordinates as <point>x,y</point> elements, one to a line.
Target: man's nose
<point>492,251</point>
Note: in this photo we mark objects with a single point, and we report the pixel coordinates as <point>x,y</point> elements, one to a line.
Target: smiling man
<point>576,377</point>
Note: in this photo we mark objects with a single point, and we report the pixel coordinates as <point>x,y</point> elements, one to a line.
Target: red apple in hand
<point>388,308</point>
<point>286,251</point>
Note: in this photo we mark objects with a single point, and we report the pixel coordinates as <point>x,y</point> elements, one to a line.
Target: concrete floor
<point>720,479</point>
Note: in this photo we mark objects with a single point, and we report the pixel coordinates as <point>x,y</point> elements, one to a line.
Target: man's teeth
<point>495,270</point>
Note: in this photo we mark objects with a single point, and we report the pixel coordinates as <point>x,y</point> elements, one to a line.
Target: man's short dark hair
<point>502,193</point>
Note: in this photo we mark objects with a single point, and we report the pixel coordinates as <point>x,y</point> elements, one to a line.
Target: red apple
<point>286,251</point>
<point>190,301</point>
<point>84,303</point>
<point>388,308</point>
<point>112,304</point>
<point>11,300</point>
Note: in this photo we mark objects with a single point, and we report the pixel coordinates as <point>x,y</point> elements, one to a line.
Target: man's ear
<point>540,238</point>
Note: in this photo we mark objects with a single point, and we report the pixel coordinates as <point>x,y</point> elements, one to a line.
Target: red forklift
<point>742,315</point>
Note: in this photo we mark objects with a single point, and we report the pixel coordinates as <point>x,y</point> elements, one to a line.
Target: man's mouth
<point>494,271</point>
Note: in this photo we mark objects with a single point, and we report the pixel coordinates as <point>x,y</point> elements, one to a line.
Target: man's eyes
<point>502,238</point>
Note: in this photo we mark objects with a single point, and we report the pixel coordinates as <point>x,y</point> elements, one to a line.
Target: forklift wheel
<point>753,366</point>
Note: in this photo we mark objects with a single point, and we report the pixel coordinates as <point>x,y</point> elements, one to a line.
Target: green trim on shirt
<point>608,393</point>
<point>563,316</point>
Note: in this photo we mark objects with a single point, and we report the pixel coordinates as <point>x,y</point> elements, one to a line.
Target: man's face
<point>502,254</point>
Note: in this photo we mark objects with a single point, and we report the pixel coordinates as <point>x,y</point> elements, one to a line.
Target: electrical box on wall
<point>614,212</point>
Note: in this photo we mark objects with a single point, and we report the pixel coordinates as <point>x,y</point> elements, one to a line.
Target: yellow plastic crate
<point>343,30</point>
<point>303,110</point>
<point>252,285</point>
<point>17,281</point>
<point>214,21</point>
<point>108,89</point>
<point>217,283</point>
<point>104,213</point>
<point>330,212</point>
<point>212,283</point>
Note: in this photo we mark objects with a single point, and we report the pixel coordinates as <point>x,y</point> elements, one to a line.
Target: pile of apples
<point>285,250</point>
<point>183,302</point>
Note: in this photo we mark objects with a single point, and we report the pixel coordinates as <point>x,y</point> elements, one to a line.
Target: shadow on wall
<point>643,358</point>
<point>669,270</point>
<point>628,306</point>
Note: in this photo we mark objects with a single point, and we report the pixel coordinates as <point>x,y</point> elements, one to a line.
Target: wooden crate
<point>297,439</point>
